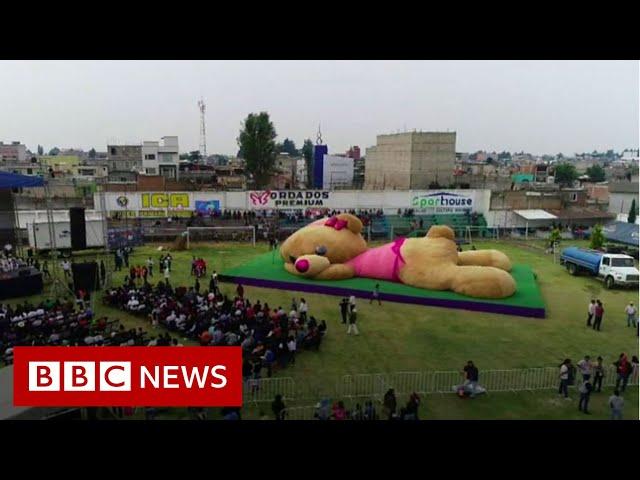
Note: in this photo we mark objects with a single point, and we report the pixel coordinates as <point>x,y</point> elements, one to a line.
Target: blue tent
<point>14,180</point>
<point>622,232</point>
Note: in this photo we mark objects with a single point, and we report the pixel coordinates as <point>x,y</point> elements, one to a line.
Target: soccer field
<point>405,338</point>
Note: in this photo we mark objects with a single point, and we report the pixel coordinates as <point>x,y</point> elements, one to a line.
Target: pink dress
<point>382,262</point>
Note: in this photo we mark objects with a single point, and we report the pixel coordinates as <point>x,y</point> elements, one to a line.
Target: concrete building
<point>621,195</point>
<point>14,152</point>
<point>161,158</point>
<point>337,172</point>
<point>354,152</point>
<point>123,159</point>
<point>412,160</point>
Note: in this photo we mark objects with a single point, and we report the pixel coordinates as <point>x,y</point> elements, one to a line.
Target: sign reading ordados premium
<point>282,199</point>
<point>442,202</point>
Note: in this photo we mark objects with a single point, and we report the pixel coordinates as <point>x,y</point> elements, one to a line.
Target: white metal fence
<point>265,389</point>
<point>375,385</point>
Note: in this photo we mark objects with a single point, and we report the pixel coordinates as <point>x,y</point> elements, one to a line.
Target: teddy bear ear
<point>353,223</point>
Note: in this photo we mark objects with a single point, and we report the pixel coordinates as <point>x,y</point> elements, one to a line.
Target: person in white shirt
<point>292,346</point>
<point>66,268</point>
<point>631,315</point>
<point>166,272</point>
<point>564,378</point>
<point>591,312</point>
<point>303,308</point>
<point>585,366</point>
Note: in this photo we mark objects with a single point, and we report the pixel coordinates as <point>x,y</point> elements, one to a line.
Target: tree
<point>596,173</point>
<point>632,212</point>
<point>40,150</point>
<point>54,151</point>
<point>258,146</point>
<point>565,174</point>
<point>307,153</point>
<point>194,156</point>
<point>92,153</point>
<point>288,146</point>
<point>597,238</point>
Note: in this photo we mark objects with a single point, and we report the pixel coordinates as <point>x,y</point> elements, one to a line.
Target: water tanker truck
<point>612,268</point>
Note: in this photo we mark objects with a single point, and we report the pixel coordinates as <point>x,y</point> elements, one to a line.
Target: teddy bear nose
<point>302,265</point>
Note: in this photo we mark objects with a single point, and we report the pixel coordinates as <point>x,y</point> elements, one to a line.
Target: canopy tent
<point>533,215</point>
<point>622,232</point>
<point>15,180</point>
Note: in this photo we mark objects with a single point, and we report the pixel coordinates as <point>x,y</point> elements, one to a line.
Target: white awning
<point>535,214</point>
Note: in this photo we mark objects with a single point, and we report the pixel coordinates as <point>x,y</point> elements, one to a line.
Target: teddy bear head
<point>324,242</point>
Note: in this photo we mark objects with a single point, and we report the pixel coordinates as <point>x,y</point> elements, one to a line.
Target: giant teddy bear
<point>333,249</point>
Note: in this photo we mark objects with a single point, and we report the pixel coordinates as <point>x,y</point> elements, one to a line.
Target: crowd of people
<point>591,375</point>
<point>57,323</point>
<point>269,337</point>
<point>595,314</point>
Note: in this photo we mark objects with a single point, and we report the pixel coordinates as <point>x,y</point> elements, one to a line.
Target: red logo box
<point>127,376</point>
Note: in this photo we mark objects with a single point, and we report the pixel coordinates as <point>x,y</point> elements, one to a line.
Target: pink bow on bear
<point>334,222</point>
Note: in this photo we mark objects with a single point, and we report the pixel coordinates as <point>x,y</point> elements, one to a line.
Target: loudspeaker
<point>78,229</point>
<point>85,276</point>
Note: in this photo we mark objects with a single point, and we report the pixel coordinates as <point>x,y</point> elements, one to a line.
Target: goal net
<point>221,234</point>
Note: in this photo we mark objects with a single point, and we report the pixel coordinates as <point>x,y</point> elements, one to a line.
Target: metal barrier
<point>265,389</point>
<point>373,386</point>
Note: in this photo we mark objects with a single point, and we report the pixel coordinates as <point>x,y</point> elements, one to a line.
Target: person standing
<point>634,369</point>
<point>66,268</point>
<point>352,302</point>
<point>375,295</point>
<point>585,368</point>
<point>167,273</point>
<point>599,313</point>
<point>240,290</point>
<point>45,269</point>
<point>623,369</point>
<point>150,266</point>
<point>564,378</point>
<point>344,309</point>
<point>352,322</point>
<point>278,407</point>
<point>303,308</point>
<point>598,375</point>
<point>471,375</point>
<point>616,404</point>
<point>631,315</point>
<point>389,404</point>
<point>292,347</point>
<point>585,393</point>
<point>591,312</point>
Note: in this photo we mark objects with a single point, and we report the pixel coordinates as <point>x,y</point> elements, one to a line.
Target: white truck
<point>612,268</point>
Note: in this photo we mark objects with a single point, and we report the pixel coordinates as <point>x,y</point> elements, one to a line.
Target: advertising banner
<point>286,199</point>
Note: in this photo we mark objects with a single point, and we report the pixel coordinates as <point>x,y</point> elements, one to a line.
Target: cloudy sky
<point>535,106</point>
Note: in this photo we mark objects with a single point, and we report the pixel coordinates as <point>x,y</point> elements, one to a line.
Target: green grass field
<point>395,337</point>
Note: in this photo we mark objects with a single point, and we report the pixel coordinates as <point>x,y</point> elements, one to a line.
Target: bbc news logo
<point>127,376</point>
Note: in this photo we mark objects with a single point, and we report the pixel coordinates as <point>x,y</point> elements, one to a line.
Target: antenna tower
<point>203,131</point>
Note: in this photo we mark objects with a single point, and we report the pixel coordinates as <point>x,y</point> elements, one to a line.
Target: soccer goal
<point>221,234</point>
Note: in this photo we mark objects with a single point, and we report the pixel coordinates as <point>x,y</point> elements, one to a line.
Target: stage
<point>267,271</point>
<point>14,285</point>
